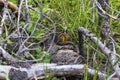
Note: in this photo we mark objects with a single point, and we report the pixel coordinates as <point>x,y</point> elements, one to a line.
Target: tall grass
<point>71,14</point>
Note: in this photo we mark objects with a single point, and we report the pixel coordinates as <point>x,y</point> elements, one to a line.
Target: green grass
<point>68,15</point>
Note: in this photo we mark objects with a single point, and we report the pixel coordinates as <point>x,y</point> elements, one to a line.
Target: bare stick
<point>7,56</point>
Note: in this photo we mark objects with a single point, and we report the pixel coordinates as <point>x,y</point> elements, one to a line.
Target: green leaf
<point>39,33</point>
<point>9,41</point>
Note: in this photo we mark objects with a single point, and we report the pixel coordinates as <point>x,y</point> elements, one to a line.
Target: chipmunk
<point>65,51</point>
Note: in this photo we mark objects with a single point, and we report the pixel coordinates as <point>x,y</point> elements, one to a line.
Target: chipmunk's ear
<point>11,6</point>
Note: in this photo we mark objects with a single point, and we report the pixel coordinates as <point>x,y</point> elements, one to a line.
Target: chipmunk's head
<point>63,37</point>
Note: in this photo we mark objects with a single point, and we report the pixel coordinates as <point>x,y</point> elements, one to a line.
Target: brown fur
<point>10,5</point>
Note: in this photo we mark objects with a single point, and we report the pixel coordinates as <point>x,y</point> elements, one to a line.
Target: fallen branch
<point>41,69</point>
<point>105,50</point>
